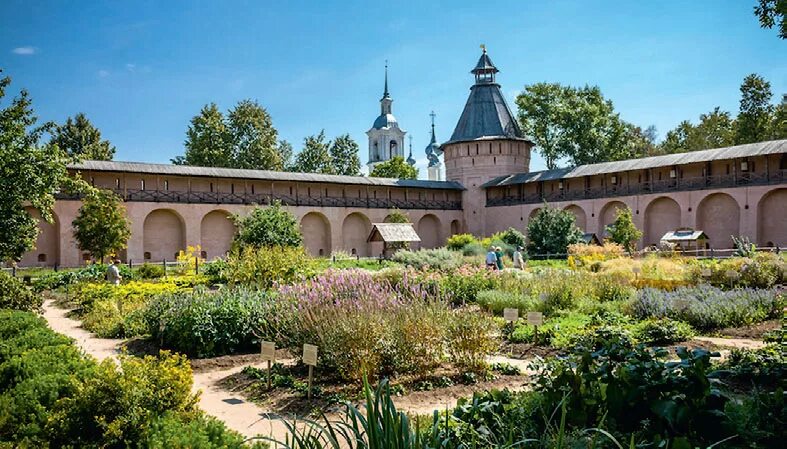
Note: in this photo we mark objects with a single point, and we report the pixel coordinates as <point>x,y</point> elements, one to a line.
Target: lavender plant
<point>706,307</point>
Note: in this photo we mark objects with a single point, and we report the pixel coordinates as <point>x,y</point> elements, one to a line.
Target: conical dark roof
<point>486,115</point>
<point>484,64</point>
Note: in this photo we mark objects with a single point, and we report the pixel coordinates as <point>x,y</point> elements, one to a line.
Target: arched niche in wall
<point>355,230</point>
<point>429,231</point>
<point>216,233</point>
<point>772,219</point>
<point>607,216</point>
<point>47,246</point>
<point>579,216</point>
<point>316,230</point>
<point>719,215</point>
<point>163,235</point>
<point>662,215</point>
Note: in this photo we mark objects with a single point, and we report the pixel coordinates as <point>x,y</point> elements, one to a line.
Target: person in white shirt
<point>519,261</point>
<point>113,273</point>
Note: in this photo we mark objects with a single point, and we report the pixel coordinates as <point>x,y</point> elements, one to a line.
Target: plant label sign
<point>310,355</point>
<point>535,318</point>
<point>706,273</point>
<point>732,274</point>
<point>511,314</point>
<point>636,270</point>
<point>269,351</point>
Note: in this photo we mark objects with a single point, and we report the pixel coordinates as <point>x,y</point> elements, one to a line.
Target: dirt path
<point>742,343</point>
<point>238,414</point>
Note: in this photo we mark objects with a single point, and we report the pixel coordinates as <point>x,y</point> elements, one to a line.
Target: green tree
<point>253,137</point>
<point>577,124</point>
<point>285,151</point>
<point>715,129</point>
<point>551,231</point>
<point>244,138</point>
<point>80,139</point>
<point>207,140</point>
<point>397,216</point>
<point>268,226</point>
<point>756,111</point>
<point>315,157</point>
<point>31,174</point>
<point>779,125</point>
<point>344,156</point>
<point>623,231</point>
<point>395,167</point>
<point>772,12</point>
<point>101,226</point>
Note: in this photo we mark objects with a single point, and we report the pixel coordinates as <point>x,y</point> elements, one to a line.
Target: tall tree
<point>253,137</point>
<point>101,226</point>
<point>244,138</point>
<point>577,124</point>
<point>80,139</point>
<point>779,125</point>
<point>31,174</point>
<point>344,156</point>
<point>315,156</point>
<point>756,112</point>
<point>715,129</point>
<point>285,151</point>
<point>395,167</point>
<point>772,12</point>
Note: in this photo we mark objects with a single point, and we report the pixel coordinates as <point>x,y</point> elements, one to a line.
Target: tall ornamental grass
<point>369,326</point>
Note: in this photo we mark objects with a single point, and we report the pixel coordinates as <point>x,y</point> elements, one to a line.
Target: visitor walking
<point>499,257</point>
<point>491,259</point>
<point>113,273</point>
<point>519,261</point>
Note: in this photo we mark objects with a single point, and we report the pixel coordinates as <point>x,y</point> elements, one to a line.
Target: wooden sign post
<point>536,319</point>
<point>268,351</point>
<point>637,271</point>
<point>310,358</point>
<point>732,275</point>
<point>511,314</point>
<point>706,273</point>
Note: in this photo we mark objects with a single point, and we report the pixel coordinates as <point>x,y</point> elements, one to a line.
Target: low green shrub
<point>463,284</point>
<point>497,300</point>
<point>203,432</point>
<point>662,331</point>
<point>207,324</point>
<point>151,271</point>
<point>438,259</point>
<point>90,273</point>
<point>216,271</point>
<point>765,366</point>
<point>612,288</point>
<point>15,295</point>
<point>458,241</point>
<point>265,267</point>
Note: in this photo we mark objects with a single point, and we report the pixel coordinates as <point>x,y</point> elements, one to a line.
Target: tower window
<point>232,188</point>
<point>117,183</point>
<point>211,187</point>
<point>142,184</point>
<point>290,190</point>
<point>476,149</point>
<point>166,184</point>
<point>252,189</point>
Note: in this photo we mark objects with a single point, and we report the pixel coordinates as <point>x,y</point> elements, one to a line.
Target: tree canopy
<point>344,156</point>
<point>315,157</point>
<point>244,138</point>
<point>268,226</point>
<point>395,167</point>
<point>772,12</point>
<point>715,129</point>
<point>576,124</point>
<point>755,118</point>
<point>79,139</point>
<point>101,226</point>
<point>551,231</point>
<point>31,174</point>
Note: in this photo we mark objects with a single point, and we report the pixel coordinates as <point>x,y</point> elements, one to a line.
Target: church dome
<point>385,121</point>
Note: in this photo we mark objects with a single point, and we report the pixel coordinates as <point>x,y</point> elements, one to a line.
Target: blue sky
<point>140,70</point>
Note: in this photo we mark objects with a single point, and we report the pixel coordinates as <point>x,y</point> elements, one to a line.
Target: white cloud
<point>131,67</point>
<point>103,73</point>
<point>25,51</point>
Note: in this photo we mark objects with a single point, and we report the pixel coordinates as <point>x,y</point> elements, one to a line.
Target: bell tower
<point>487,142</point>
<point>386,139</point>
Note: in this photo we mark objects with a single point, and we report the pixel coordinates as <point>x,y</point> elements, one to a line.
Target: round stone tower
<point>487,143</point>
